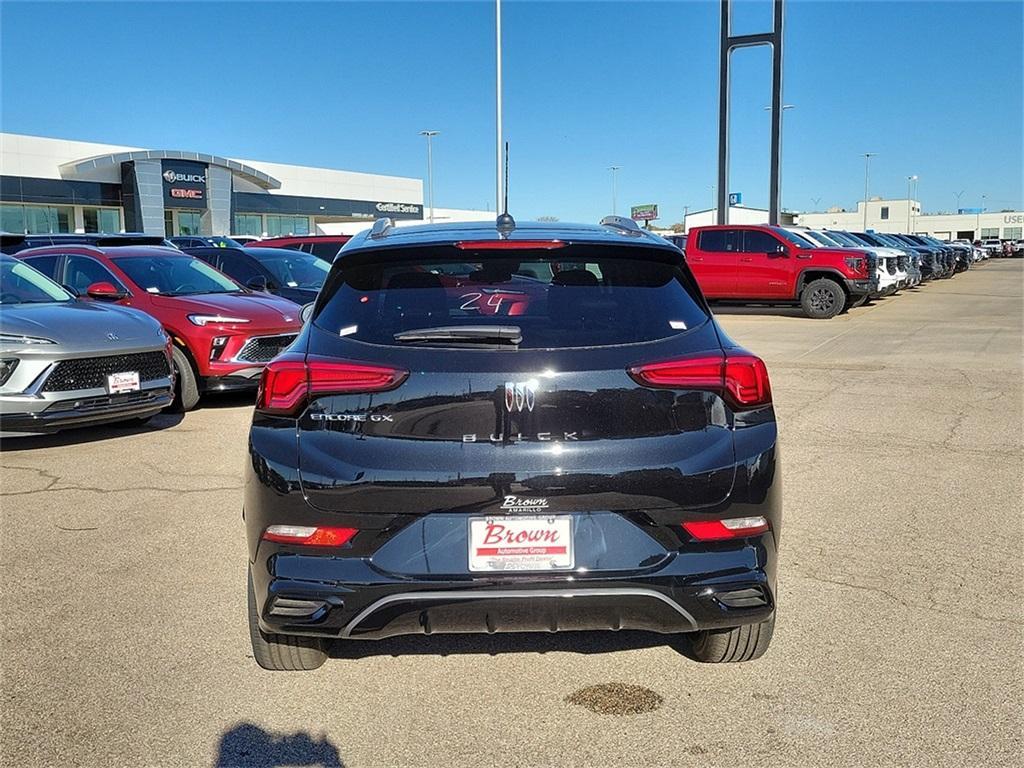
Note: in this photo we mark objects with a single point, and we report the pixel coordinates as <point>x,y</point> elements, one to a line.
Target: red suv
<point>324,247</point>
<point>766,264</point>
<point>223,333</point>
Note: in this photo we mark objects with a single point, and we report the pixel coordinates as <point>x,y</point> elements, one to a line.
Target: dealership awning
<point>85,169</point>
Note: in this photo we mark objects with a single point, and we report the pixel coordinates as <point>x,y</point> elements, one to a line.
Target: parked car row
<point>825,272</point>
<point>212,332</point>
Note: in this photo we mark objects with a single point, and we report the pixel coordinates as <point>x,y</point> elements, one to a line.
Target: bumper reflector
<point>309,536</point>
<point>732,528</point>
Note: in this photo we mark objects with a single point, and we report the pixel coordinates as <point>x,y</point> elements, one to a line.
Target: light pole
<point>815,200</point>
<point>613,169</point>
<point>430,169</point>
<point>977,224</point>
<point>910,205</point>
<point>958,196</point>
<point>867,164</point>
<point>500,172</point>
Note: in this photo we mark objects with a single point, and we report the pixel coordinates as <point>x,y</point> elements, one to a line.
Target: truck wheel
<point>746,643</point>
<point>822,298</point>
<point>186,389</point>
<point>289,653</point>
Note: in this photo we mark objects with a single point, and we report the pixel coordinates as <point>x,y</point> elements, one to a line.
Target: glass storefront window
<point>188,223</point>
<point>102,219</point>
<point>287,225</point>
<point>248,224</point>
<point>35,219</point>
<point>990,231</point>
<point>1012,233</point>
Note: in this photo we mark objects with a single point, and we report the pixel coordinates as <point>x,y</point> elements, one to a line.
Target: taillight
<point>732,528</point>
<point>309,536</point>
<point>742,379</point>
<point>509,245</point>
<point>288,382</point>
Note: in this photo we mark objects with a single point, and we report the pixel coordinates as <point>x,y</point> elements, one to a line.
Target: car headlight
<point>218,319</point>
<point>7,366</point>
<point>13,338</point>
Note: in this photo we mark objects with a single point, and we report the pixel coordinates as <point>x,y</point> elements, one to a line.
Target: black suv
<point>532,428</point>
<point>294,275</point>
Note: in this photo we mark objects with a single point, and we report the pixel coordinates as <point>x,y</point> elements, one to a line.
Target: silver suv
<point>70,363</point>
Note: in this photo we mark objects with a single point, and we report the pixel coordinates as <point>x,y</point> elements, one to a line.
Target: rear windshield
<point>575,296</point>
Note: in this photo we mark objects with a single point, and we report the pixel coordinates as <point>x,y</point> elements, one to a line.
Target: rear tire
<point>186,388</point>
<point>289,653</point>
<point>746,643</point>
<point>822,299</point>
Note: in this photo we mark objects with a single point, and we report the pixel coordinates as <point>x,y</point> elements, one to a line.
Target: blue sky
<point>935,88</point>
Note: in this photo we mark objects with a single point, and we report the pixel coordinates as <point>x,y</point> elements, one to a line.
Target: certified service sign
<point>184,184</point>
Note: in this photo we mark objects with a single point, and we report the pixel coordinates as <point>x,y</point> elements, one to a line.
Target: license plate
<point>520,543</point>
<point>126,381</point>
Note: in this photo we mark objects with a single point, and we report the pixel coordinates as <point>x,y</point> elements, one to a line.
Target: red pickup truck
<point>766,264</point>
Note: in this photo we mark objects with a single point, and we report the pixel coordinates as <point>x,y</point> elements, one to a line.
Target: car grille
<point>901,261</point>
<point>92,372</point>
<point>890,266</point>
<point>263,349</point>
<point>109,401</point>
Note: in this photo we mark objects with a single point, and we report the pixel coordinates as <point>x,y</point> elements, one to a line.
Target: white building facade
<point>57,185</point>
<point>906,216</point>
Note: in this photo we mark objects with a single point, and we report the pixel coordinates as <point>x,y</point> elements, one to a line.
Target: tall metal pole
<point>775,168</point>
<point>499,165</point>
<point>430,170</point>
<point>727,43</point>
<point>613,169</point>
<point>977,225</point>
<point>867,164</point>
<point>958,196</point>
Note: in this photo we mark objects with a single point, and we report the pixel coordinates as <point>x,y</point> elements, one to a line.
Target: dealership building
<point>903,215</point>
<point>56,185</point>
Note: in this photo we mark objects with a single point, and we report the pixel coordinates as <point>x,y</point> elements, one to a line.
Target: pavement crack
<point>906,604</point>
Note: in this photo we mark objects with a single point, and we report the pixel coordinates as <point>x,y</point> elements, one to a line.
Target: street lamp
<point>867,163</point>
<point>815,200</point>
<point>958,196</point>
<point>910,205</point>
<point>613,169</point>
<point>430,169</point>
<point>977,223</point>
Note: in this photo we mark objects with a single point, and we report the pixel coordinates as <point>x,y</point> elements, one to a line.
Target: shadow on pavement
<point>90,434</point>
<point>248,746</point>
<point>513,642</point>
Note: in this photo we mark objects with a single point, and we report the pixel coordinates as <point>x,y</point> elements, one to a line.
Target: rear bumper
<point>66,414</point>
<point>694,590</point>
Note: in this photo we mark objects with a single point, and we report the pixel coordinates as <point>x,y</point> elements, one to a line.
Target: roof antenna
<point>505,222</point>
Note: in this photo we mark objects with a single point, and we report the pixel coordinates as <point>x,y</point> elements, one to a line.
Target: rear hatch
<point>511,393</point>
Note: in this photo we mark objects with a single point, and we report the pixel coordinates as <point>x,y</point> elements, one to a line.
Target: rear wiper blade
<point>511,335</point>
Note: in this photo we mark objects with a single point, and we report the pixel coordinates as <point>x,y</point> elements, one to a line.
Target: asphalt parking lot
<point>899,638</point>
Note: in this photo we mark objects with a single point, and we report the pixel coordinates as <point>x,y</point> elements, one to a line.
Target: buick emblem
<point>170,177</point>
<point>112,336</point>
<point>519,396</point>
